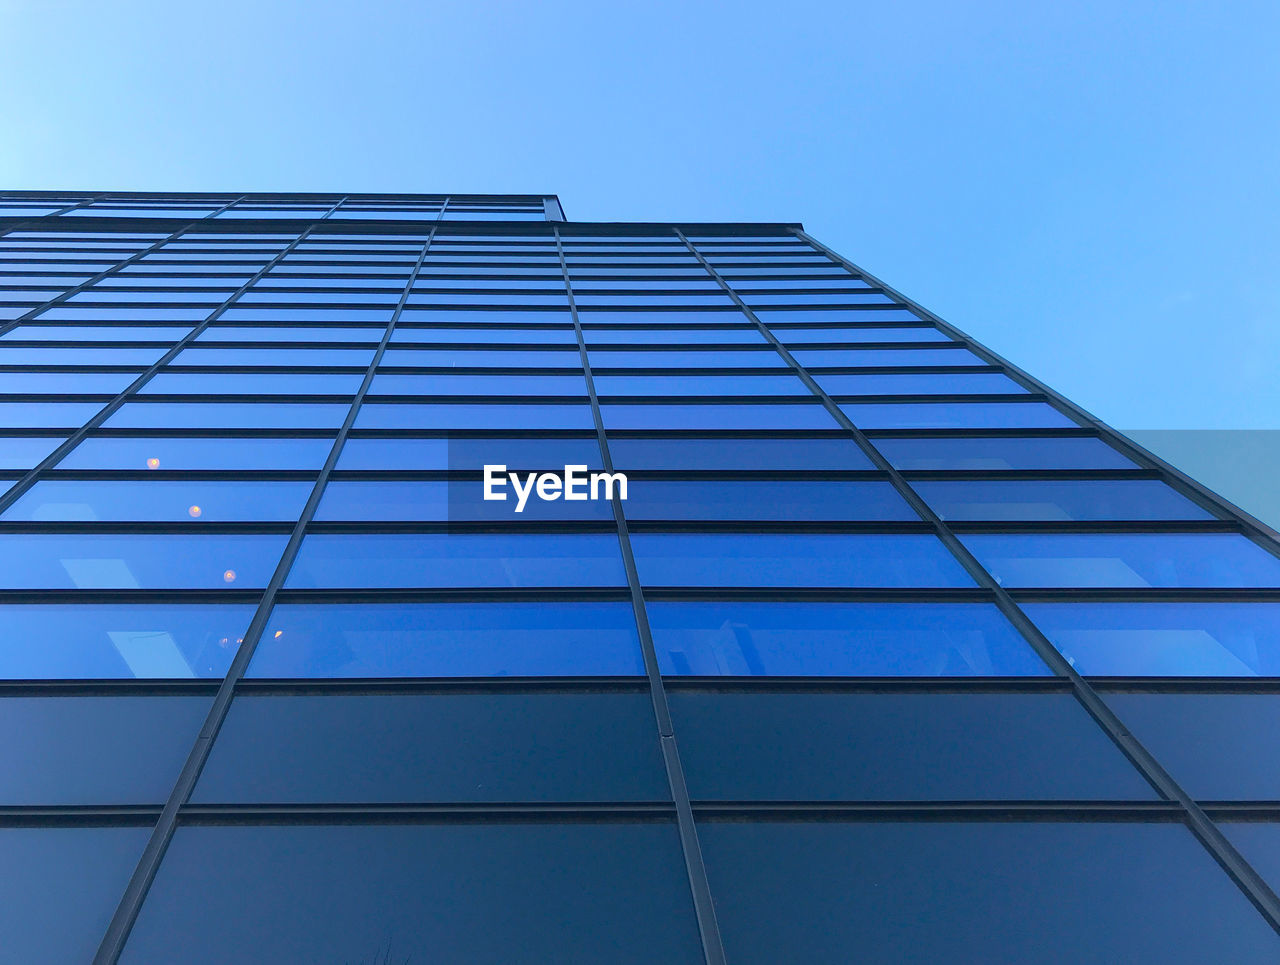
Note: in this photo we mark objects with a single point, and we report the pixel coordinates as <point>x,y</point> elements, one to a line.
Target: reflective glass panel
<point>955,415</point>
<point>228,415</point>
<point>461,415</point>
<point>737,453</point>
<point>765,499</point>
<point>1051,499</point>
<point>1009,452</point>
<point>717,416</point>
<point>468,454</point>
<point>105,452</point>
<point>209,500</point>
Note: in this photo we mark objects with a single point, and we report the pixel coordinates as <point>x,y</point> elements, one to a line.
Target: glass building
<point>890,654</point>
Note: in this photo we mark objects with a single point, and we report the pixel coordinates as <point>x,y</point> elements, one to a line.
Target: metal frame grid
<point>558,258</point>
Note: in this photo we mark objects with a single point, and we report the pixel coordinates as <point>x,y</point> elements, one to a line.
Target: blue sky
<point>1090,188</point>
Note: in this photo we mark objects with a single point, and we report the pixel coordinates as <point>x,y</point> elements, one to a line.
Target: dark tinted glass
<point>522,385</point>
<point>975,894</point>
<point>437,748</point>
<point>838,639</point>
<point>485,894</point>
<point>203,499</point>
<point>1260,844</point>
<point>765,499</point>
<point>1164,639</point>
<point>1219,747</point>
<point>1010,452</point>
<point>1051,499</point>
<point>60,888</point>
<point>119,641</point>
<point>794,559</point>
<point>470,559</point>
<point>766,454</point>
<point>898,747</point>
<point>95,750</point>
<point>1124,559</point>
<point>450,640</point>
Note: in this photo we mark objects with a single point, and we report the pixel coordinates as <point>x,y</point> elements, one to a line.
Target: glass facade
<point>889,653</point>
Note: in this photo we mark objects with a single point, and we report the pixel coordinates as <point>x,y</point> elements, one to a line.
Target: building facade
<point>890,653</point>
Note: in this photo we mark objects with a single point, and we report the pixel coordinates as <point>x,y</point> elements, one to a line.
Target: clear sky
<point>1091,188</point>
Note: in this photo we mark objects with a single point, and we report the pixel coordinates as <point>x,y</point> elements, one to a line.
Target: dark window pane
<point>482,747</point>
<point>1124,559</point>
<point>60,888</point>
<point>765,499</point>
<point>1053,499</point>
<point>737,454</point>
<point>838,639</point>
<point>486,894</point>
<point>794,559</point>
<point>1011,452</point>
<point>1164,639</point>
<point>975,894</point>
<point>95,750</point>
<point>1219,747</point>
<point>471,559</point>
<point>162,499</point>
<point>119,641</point>
<point>128,561</point>
<point>197,453</point>
<point>450,640</point>
<point>898,747</point>
<point>1260,844</point>
<point>469,454</point>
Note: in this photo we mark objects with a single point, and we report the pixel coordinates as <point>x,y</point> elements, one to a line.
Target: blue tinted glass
<point>976,893</point>
<point>468,454</point>
<point>1011,452</point>
<point>718,416</point>
<point>450,640</point>
<point>1219,747</point>
<point>673,336</point>
<point>482,358</point>
<point>1164,639</point>
<point>467,559</point>
<point>711,385</point>
<point>23,452</point>
<point>513,336</point>
<point>794,559</point>
<point>765,499</point>
<point>1053,499</point>
<point>918,383</point>
<point>119,641</point>
<point>253,383</point>
<point>461,415</point>
<point>67,383</point>
<point>458,500</point>
<point>705,359</point>
<point>95,750</point>
<point>838,640</point>
<point>208,500</point>
<point>484,894</point>
<point>1260,844</point>
<point>228,415</point>
<point>898,747</point>
<point>493,748</point>
<point>955,415</point>
<point>801,336</point>
<point>61,886</point>
<point>288,333</point>
<point>17,355</point>
<point>1124,559</point>
<point>858,357</point>
<point>202,355</point>
<point>391,384</point>
<point>128,561</point>
<point>47,415</point>
<point>811,454</point>
<point>102,452</point>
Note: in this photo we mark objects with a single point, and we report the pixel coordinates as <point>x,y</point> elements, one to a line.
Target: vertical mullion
<point>89,283</point>
<point>1225,853</point>
<point>135,893</point>
<point>704,907</point>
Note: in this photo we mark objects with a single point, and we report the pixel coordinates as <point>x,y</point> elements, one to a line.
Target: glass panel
<point>578,894</point>
<point>228,415</point>
<point>1010,452</point>
<point>47,415</point>
<point>794,559</point>
<point>213,501</point>
<point>67,383</point>
<point>60,888</point>
<point>1124,559</point>
<point>801,336</point>
<point>470,454</point>
<point>458,500</point>
<point>858,357</point>
<point>129,561</point>
<point>522,385</point>
<point>717,416</point>
<point>253,383</point>
<point>204,355</point>
<point>1219,747</point>
<point>785,454</point>
<point>461,415</point>
<point>119,641</point>
<point>898,747</point>
<point>1164,639</point>
<point>102,452</point>
<point>482,358</point>
<point>672,336</point>
<point>24,452</point>
<point>704,359</point>
<point>708,385</point>
<point>1260,844</point>
<point>1053,893</point>
<point>765,499</point>
<point>95,750</point>
<point>450,640</point>
<point>467,559</point>
<point>482,747</point>
<point>1054,499</point>
<point>542,335</point>
<point>918,383</point>
<point>955,415</point>
<point>838,640</point>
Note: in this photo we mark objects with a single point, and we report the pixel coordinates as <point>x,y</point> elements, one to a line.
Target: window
<point>765,500</point>
<point>1007,452</point>
<point>469,454</point>
<point>172,452</point>
<point>186,500</point>
<point>1050,499</point>
<point>738,453</point>
<point>806,415</point>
